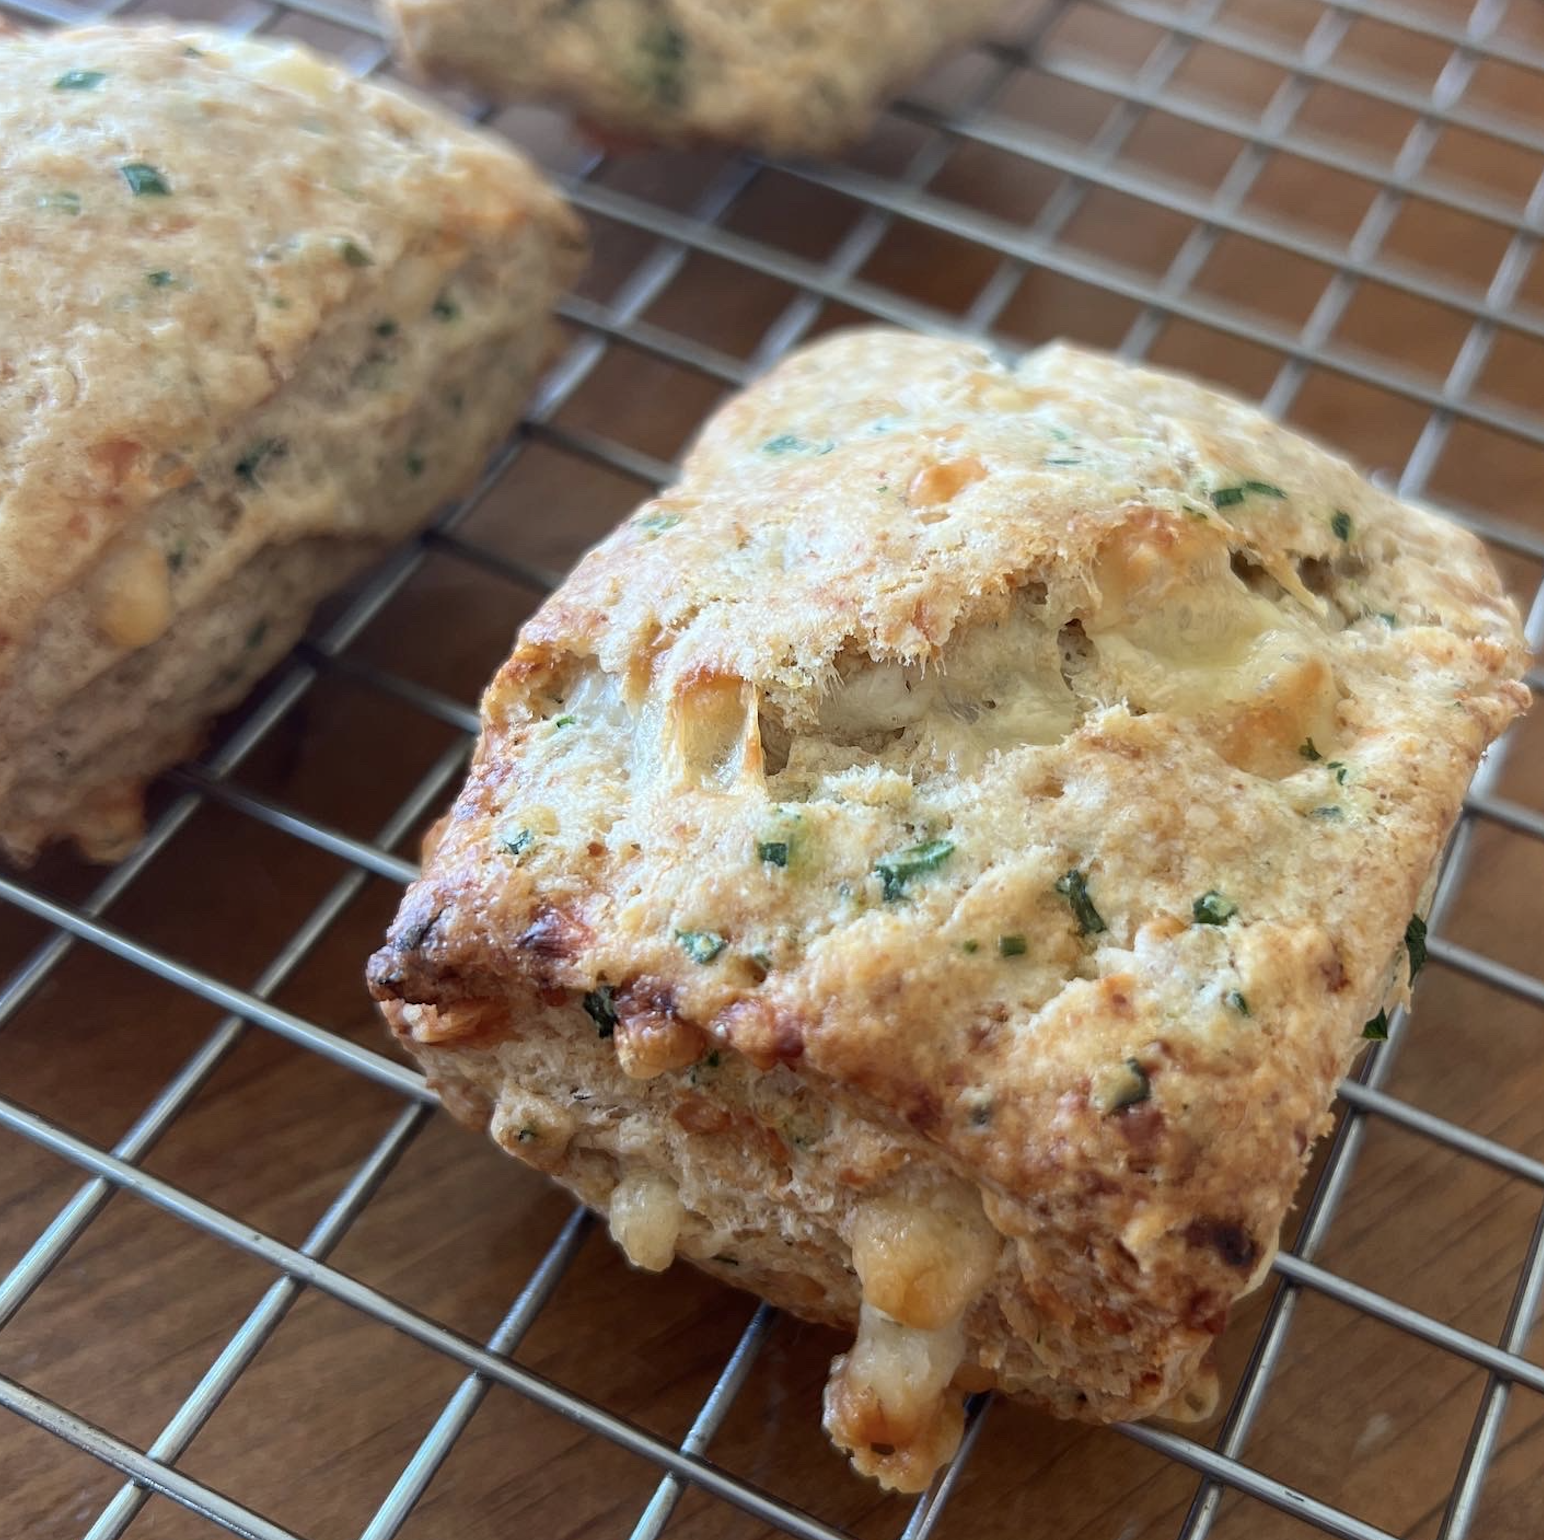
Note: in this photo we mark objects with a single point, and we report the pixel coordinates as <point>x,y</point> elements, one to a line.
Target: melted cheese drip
<point>645,1219</point>
<point>891,1401</point>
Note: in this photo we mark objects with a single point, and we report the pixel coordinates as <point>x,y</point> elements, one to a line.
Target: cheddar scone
<point>932,865</point>
<point>788,77</point>
<point>260,319</point>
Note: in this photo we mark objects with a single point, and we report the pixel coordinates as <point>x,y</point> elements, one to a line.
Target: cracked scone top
<point>933,864</point>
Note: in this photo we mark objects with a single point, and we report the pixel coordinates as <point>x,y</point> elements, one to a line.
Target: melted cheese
<point>645,1219</point>
<point>136,600</point>
<point>891,1402</point>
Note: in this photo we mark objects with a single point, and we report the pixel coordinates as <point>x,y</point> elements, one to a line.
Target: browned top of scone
<point>1050,758</point>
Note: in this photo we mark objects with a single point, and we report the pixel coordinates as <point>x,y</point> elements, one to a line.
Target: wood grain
<point>317,1429</point>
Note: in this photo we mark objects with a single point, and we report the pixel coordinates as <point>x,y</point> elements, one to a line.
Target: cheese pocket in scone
<point>260,318</point>
<point>932,865</point>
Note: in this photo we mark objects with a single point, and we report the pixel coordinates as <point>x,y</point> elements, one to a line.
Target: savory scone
<point>788,77</point>
<point>932,866</point>
<point>260,319</point>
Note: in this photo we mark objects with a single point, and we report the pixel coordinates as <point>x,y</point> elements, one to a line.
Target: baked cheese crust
<point>260,320</point>
<point>933,864</point>
<point>786,76</point>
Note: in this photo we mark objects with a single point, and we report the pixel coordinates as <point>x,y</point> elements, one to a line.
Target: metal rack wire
<point>1065,43</point>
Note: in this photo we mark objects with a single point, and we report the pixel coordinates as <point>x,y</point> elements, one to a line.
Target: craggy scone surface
<point>1044,763</point>
<point>789,76</point>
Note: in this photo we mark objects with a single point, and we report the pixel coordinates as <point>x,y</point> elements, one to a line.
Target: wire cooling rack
<point>1333,208</point>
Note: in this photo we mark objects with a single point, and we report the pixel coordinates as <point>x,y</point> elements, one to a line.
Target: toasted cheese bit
<point>645,1216</point>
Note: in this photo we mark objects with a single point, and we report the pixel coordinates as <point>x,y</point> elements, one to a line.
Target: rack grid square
<point>1331,206</point>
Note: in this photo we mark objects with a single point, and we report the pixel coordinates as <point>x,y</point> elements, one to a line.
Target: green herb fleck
<point>565,720</point>
<point>1377,1030</point>
<point>970,948</point>
<point>1328,813</point>
<point>1211,908</point>
<point>600,1007</point>
<point>1389,618</point>
<point>791,443</point>
<point>256,634</point>
<point>1136,1090</point>
<point>527,1134</point>
<point>1415,944</point>
<point>763,960</point>
<point>415,463</point>
<point>144,181</point>
<point>160,279</point>
<point>1011,946</point>
<point>386,328</point>
<point>177,556</point>
<point>1308,751</point>
<point>1230,497</point>
<point>1061,462</point>
<point>248,466</point>
<point>65,202</point>
<point>727,1260</point>
<point>773,852</point>
<point>713,1061</point>
<point>79,80</point>
<point>702,946</point>
<point>1341,524</point>
<point>662,50</point>
<point>656,523</point>
<point>1340,768</point>
<point>897,870</point>
<point>355,255</point>
<point>1238,1002</point>
<point>515,843</point>
<point>445,308</point>
<point>1074,888</point>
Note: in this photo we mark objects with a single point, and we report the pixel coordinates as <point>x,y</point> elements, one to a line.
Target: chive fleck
<point>386,328</point>
<point>527,1134</point>
<point>177,556</point>
<point>1341,524</point>
<point>1309,751</point>
<point>515,843</point>
<point>897,870</point>
<point>773,852</point>
<point>1211,908</point>
<point>415,463</point>
<point>791,443</point>
<point>656,523</point>
<point>565,720</point>
<point>1341,770</point>
<point>248,466</point>
<point>1073,886</point>
<point>79,80</point>
<point>1327,814</point>
<point>663,51</point>
<point>702,946</point>
<point>1230,497</point>
<point>1238,1002</point>
<point>160,279</point>
<point>65,202</point>
<point>1137,1089</point>
<point>1377,1030</point>
<point>970,948</point>
<point>1389,618</point>
<point>355,255</point>
<point>1062,461</point>
<point>1415,944</point>
<point>256,634</point>
<point>600,1007</point>
<point>144,181</point>
<point>1011,946</point>
<point>445,308</point>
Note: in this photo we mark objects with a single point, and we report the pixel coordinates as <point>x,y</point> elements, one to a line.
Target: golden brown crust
<point>1039,767</point>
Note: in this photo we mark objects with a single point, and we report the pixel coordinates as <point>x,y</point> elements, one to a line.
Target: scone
<point>259,320</point>
<point>789,77</point>
<point>932,865</point>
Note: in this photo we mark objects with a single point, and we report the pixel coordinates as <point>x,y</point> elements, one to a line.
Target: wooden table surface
<point>1360,1414</point>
